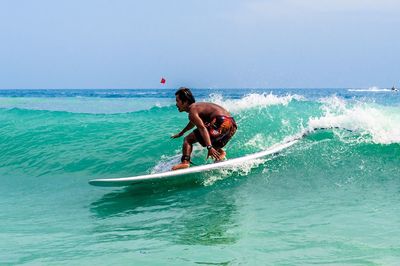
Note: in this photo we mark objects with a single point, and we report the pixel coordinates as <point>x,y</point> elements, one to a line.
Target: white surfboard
<point>126,181</point>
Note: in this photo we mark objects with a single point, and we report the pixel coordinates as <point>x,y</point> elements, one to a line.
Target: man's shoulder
<point>199,109</point>
<point>200,106</point>
<point>203,105</point>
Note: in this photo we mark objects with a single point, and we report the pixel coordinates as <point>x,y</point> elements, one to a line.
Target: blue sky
<point>203,44</point>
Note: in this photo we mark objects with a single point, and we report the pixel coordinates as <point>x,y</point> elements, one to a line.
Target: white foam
<point>166,162</point>
<point>253,100</point>
<point>381,123</point>
<point>241,169</point>
<point>258,141</point>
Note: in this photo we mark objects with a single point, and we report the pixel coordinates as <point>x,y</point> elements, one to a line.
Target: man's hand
<point>213,153</point>
<point>176,135</point>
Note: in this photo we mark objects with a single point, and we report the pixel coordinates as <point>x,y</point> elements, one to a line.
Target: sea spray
<point>380,124</point>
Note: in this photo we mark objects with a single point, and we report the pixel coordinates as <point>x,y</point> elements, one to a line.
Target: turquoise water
<point>332,198</point>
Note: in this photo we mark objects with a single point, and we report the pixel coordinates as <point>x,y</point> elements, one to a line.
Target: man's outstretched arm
<point>188,127</point>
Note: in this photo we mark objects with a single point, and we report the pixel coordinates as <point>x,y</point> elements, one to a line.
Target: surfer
<point>214,127</point>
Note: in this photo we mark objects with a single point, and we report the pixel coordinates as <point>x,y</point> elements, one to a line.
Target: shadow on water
<point>133,199</point>
<point>188,214</point>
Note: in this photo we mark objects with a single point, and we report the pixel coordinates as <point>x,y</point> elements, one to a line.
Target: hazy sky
<point>203,44</point>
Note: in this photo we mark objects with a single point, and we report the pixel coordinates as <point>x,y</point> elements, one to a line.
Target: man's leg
<point>222,154</point>
<point>187,148</point>
<point>225,140</point>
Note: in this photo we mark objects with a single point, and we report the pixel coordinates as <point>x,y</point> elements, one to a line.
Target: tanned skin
<point>199,114</point>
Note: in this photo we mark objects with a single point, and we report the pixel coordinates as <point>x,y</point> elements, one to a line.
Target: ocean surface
<point>332,198</point>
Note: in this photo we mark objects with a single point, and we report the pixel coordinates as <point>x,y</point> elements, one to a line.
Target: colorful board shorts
<point>221,129</point>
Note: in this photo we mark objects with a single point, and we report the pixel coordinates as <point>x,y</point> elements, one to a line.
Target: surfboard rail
<point>125,181</point>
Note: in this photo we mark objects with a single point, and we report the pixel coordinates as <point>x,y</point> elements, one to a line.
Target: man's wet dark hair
<point>185,95</point>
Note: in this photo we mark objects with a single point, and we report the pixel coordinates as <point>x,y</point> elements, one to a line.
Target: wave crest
<point>253,100</point>
<point>381,123</point>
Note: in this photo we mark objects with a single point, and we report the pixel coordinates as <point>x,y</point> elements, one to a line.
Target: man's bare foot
<point>222,155</point>
<point>180,166</point>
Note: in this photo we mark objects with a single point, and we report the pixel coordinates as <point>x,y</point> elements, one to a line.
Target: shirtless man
<point>214,127</point>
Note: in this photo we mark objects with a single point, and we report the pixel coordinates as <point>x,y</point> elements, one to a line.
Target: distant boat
<point>371,89</point>
<point>375,89</point>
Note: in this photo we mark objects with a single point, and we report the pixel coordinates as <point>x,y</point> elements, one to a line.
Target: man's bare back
<point>207,111</point>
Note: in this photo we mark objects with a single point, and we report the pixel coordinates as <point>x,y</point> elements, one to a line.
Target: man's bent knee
<point>189,140</point>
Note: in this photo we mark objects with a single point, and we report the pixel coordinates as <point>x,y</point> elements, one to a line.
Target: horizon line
<point>199,88</point>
